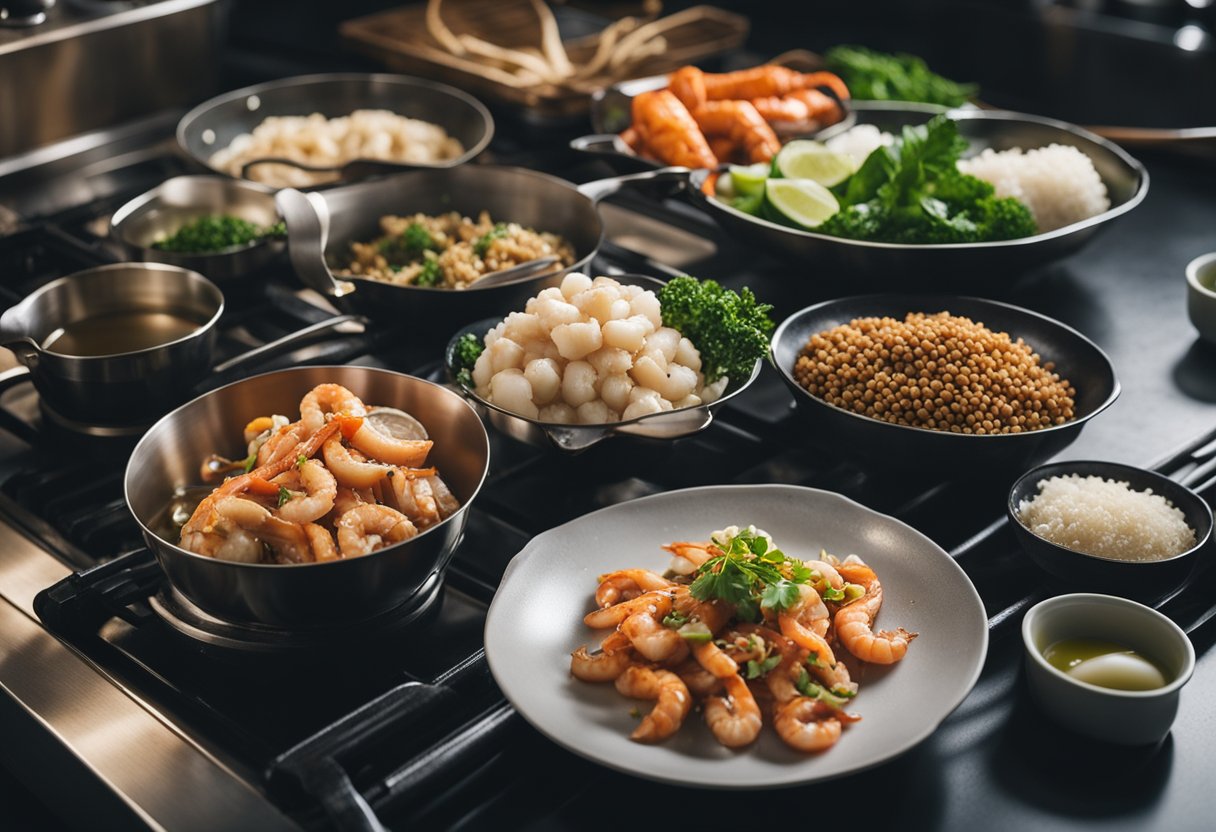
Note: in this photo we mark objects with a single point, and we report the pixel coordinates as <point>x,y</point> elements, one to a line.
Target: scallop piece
<point>545,376</point>
<point>483,371</point>
<point>598,302</point>
<point>553,313</point>
<point>578,383</point>
<point>688,355</point>
<point>691,400</point>
<point>609,361</point>
<point>522,327</point>
<point>615,390</point>
<point>505,354</point>
<point>511,391</point>
<point>647,305</point>
<point>628,334</point>
<point>644,406</point>
<point>646,372</point>
<point>593,413</point>
<point>681,382</point>
<point>666,340</point>
<point>558,413</point>
<point>574,283</point>
<point>577,340</point>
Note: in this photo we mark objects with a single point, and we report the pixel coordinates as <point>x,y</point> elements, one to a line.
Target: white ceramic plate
<point>535,622</point>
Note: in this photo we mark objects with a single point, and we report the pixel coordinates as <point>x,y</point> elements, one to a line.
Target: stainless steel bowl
<point>311,595</point>
<point>1076,358</point>
<point>160,212</point>
<point>211,126</point>
<point>672,424</point>
<point>122,387</point>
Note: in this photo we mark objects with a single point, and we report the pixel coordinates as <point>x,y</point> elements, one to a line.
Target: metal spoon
<point>523,270</point>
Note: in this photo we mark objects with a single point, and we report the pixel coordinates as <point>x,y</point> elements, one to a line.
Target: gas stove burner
<point>216,636</point>
<point>17,14</point>
<point>82,428</point>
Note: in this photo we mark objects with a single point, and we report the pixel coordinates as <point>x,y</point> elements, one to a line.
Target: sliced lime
<point>806,159</point>
<point>749,179</point>
<point>800,202</point>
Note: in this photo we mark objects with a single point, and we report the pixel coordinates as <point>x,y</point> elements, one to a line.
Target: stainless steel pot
<point>321,225</point>
<point>160,212</point>
<point>122,387</point>
<point>310,595</point>
<point>213,125</point>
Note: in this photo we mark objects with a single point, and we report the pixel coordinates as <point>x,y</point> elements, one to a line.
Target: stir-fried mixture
<point>744,631</point>
<point>448,251</point>
<point>330,485</point>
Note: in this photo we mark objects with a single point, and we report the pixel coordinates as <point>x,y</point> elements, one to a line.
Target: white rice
<point>1106,518</point>
<point>859,142</point>
<point>1058,183</point>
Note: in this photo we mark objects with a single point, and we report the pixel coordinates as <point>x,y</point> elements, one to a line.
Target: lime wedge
<point>806,159</point>
<point>800,202</point>
<point>749,179</point>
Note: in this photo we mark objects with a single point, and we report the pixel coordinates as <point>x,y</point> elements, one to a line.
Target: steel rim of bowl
<point>178,550</point>
<point>787,372</point>
<point>189,118</point>
<point>1114,468</point>
<point>1142,178</point>
<point>1098,599</point>
<point>188,274</point>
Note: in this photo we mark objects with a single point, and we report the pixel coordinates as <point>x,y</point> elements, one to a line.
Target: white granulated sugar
<point>1106,518</point>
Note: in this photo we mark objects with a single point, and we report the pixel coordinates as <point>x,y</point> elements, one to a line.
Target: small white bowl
<point>1116,716</point>
<point>1201,295</point>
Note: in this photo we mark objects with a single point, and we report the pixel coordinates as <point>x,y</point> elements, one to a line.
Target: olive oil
<point>1105,664</point>
<point>120,332</point>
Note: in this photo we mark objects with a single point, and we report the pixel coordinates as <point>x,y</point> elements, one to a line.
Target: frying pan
<point>211,126</point>
<point>934,267</point>
<point>310,595</point>
<point>321,225</point>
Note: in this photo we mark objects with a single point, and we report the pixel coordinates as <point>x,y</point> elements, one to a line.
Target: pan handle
<point>668,177</point>
<point>307,218</point>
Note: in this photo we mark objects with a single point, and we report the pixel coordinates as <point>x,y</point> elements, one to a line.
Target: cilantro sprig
<point>751,575</point>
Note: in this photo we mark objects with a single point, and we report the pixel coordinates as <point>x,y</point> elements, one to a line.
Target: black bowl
<point>1139,580</point>
<point>1076,358</point>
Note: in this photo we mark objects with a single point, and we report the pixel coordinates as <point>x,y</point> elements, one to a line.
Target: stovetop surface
<point>416,725</point>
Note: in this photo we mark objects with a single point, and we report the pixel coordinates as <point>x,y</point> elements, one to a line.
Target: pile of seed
<point>941,372</point>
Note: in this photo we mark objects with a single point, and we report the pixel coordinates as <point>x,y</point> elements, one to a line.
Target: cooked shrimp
<point>776,108</point>
<point>321,542</point>
<point>669,132</point>
<point>368,528</point>
<point>820,106</point>
<point>408,452</point>
<point>650,638</point>
<point>689,557</point>
<point>288,540</point>
<point>828,575</point>
<point>854,621</point>
<point>320,489</point>
<point>688,84</point>
<point>669,693</point>
<point>328,398</point>
<point>810,611</point>
<point>656,603</point>
<point>347,498</point>
<point>742,124</point>
<point>699,680</point>
<point>599,667</point>
<point>348,470</point>
<point>803,636</point>
<point>765,82</point>
<point>281,443</point>
<point>736,720</point>
<point>711,657</point>
<point>627,584</point>
<point>416,499</point>
<point>807,724</point>
<point>444,498</point>
<point>835,83</point>
<point>713,614</point>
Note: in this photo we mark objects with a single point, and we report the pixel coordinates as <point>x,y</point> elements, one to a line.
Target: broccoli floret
<point>482,244</point>
<point>468,349</point>
<point>1006,218</point>
<point>729,329</point>
<point>409,245</point>
<point>430,275</point>
<point>863,221</point>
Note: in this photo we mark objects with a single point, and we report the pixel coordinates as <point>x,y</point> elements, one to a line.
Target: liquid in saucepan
<point>120,332</point>
<point>1105,664</point>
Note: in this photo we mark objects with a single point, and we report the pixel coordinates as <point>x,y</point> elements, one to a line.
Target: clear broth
<point>120,332</point>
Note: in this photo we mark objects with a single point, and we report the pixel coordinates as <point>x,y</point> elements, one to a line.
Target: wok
<point>321,225</point>
<point>213,125</point>
<point>310,595</point>
<point>932,267</point>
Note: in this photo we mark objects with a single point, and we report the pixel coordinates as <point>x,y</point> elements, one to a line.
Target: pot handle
<point>666,177</point>
<point>307,218</point>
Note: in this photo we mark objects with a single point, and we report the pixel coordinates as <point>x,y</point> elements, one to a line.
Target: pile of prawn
<point>325,487</point>
<point>702,120</point>
<point>650,661</point>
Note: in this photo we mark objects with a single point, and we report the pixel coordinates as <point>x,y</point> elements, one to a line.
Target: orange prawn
<point>743,124</point>
<point>669,131</point>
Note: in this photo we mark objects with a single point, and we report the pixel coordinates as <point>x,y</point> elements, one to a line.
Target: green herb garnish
<point>832,594</point>
<point>751,576</point>
<point>916,194</point>
<point>482,244</point>
<point>284,496</point>
<point>729,329</point>
<point>430,275</point>
<point>468,349</point>
<point>878,76</point>
<point>675,619</point>
<point>250,462</point>
<point>757,669</point>
<point>215,233</point>
<point>300,460</point>
<point>407,246</point>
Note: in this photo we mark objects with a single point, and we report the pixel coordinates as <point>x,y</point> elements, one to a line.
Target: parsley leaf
<point>284,496</point>
<point>780,595</point>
